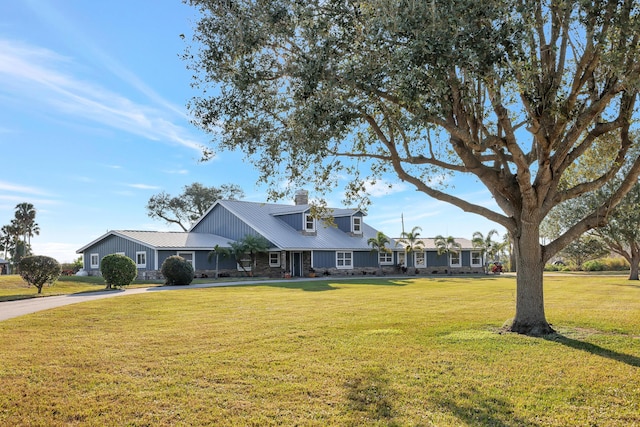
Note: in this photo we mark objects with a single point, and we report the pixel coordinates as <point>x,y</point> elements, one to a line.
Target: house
<point>299,242</point>
<point>427,260</point>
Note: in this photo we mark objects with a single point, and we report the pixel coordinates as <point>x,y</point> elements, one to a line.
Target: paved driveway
<point>10,309</point>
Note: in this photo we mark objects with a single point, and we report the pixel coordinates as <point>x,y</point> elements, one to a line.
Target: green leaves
<point>39,270</point>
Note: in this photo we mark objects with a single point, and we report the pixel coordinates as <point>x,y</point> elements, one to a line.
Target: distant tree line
<point>15,237</point>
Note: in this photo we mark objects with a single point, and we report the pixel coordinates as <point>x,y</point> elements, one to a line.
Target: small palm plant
<point>250,246</point>
<point>379,244</point>
<point>447,245</point>
<point>218,252</point>
<point>487,247</point>
<point>411,241</point>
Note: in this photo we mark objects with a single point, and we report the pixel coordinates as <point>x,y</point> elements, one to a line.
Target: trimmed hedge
<point>118,270</point>
<point>177,271</point>
<point>606,264</point>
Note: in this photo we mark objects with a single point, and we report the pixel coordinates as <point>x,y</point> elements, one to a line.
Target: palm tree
<point>11,236</point>
<point>487,247</point>
<point>217,252</point>
<point>25,219</point>
<point>446,245</point>
<point>411,240</point>
<point>379,244</point>
<point>5,239</point>
<point>250,245</point>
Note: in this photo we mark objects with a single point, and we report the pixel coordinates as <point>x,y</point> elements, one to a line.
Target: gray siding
<point>365,259</point>
<point>327,259</point>
<point>293,220</point>
<point>224,223</point>
<point>466,258</point>
<point>115,244</point>
<point>324,259</point>
<point>435,260</point>
<point>344,223</point>
<point>200,259</point>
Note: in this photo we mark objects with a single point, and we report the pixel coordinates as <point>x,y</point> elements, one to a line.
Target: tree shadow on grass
<point>372,397</point>
<point>331,284</point>
<point>477,409</point>
<point>628,285</point>
<point>17,297</point>
<point>595,349</point>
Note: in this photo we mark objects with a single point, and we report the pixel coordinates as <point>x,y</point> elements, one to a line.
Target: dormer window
<point>309,222</point>
<point>356,225</point>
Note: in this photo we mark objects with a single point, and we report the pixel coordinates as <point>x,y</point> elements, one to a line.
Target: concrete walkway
<point>11,309</point>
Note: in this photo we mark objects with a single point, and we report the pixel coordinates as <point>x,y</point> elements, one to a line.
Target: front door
<point>296,264</point>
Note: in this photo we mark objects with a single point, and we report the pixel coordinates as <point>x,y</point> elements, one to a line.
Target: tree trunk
<point>633,273</point>
<point>530,318</point>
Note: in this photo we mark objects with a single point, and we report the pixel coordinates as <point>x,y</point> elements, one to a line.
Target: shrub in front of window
<point>38,270</point>
<point>118,270</point>
<point>177,271</point>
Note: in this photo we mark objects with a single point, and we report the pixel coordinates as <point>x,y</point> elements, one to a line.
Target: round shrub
<point>118,270</point>
<point>177,271</point>
<point>39,269</point>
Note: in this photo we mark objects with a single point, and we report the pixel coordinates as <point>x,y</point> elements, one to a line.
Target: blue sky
<point>93,122</point>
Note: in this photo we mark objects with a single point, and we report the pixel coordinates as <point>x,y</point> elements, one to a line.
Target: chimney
<point>302,197</point>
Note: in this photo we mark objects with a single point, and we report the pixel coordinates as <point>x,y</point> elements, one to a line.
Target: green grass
<point>367,352</point>
<point>12,287</point>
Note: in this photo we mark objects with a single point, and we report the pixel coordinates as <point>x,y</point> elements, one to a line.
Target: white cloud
<point>43,79</point>
<point>144,186</point>
<point>384,188</point>
<point>177,171</point>
<point>16,188</point>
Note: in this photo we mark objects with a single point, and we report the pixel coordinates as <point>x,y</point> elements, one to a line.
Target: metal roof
<point>262,217</point>
<point>166,239</point>
<point>429,243</point>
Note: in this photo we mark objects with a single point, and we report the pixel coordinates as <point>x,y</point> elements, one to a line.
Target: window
<point>454,259</point>
<point>385,257</point>
<point>94,260</point>
<point>420,259</point>
<point>476,258</point>
<point>141,259</point>
<point>344,260</point>
<point>309,222</point>
<point>356,225</point>
<point>274,259</point>
<point>188,256</point>
<point>244,262</point>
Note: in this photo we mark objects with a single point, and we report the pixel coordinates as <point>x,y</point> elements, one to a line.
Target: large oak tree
<point>510,92</point>
<point>187,207</point>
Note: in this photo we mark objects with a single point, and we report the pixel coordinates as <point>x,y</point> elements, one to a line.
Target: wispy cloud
<point>44,79</point>
<point>144,186</point>
<point>177,171</point>
<point>16,188</point>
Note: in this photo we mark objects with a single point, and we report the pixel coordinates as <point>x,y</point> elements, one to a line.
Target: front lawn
<point>424,351</point>
<point>12,287</point>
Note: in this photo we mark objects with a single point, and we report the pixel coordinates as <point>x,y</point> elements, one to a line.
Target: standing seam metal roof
<point>262,217</point>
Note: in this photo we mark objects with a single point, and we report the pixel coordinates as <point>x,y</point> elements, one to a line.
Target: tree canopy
<point>510,92</point>
<point>191,204</point>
